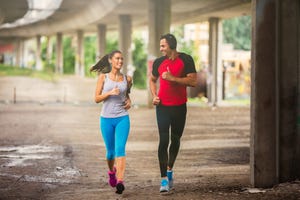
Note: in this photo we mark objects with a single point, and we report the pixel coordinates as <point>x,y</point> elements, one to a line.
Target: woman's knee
<point>110,155</point>
<point>120,151</point>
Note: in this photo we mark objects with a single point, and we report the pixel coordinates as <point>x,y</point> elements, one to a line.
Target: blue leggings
<point>115,132</point>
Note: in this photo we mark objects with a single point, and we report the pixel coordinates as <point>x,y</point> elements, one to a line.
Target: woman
<point>113,90</point>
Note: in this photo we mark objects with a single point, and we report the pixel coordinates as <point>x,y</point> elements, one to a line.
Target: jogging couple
<point>174,71</point>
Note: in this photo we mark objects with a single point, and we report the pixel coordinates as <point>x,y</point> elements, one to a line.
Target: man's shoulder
<point>184,55</point>
<point>159,60</point>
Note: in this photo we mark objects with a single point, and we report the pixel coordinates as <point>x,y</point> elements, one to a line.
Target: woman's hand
<point>115,91</point>
<point>127,104</point>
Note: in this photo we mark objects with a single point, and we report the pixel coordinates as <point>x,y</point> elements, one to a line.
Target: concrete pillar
<point>274,152</point>
<point>159,23</point>
<point>38,54</point>
<point>49,50</point>
<point>101,35</point>
<point>125,40</point>
<point>215,86</point>
<point>24,53</point>
<point>288,65</point>
<point>19,53</point>
<point>59,54</point>
<point>79,58</point>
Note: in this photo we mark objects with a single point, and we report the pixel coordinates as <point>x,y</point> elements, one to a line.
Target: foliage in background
<point>90,57</point>
<point>187,47</point>
<point>68,56</point>
<point>90,45</point>
<point>48,63</point>
<point>90,54</point>
<point>111,45</point>
<point>140,64</point>
<point>6,70</point>
<point>238,32</point>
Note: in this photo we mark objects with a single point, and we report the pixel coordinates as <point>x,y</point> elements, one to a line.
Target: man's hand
<point>167,75</point>
<point>156,100</point>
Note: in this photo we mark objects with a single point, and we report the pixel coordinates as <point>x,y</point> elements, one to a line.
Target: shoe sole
<point>166,193</point>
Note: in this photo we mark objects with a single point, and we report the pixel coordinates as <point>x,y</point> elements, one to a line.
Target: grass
<point>228,102</point>
<point>240,102</point>
<point>6,70</point>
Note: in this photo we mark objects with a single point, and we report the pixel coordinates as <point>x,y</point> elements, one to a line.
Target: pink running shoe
<point>112,178</point>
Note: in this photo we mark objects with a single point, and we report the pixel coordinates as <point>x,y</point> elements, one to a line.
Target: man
<point>175,71</point>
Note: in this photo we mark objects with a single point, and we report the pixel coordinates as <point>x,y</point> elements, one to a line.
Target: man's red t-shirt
<point>170,93</point>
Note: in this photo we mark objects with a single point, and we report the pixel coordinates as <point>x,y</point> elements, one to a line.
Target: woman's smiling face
<point>117,60</point>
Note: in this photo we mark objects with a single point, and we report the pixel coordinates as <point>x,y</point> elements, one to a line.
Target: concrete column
<point>288,65</point>
<point>274,152</point>
<point>125,41</point>
<point>38,53</point>
<point>19,53</point>
<point>101,35</point>
<point>159,23</point>
<point>23,50</point>
<point>48,50</point>
<point>79,58</point>
<point>59,54</point>
<point>297,139</point>
<point>215,87</point>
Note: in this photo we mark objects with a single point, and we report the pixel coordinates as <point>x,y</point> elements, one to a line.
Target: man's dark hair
<point>171,40</point>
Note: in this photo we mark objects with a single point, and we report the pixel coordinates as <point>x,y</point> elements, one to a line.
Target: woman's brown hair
<point>103,65</point>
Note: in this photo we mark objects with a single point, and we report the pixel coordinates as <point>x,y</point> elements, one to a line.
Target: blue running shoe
<point>164,186</point>
<point>170,178</point>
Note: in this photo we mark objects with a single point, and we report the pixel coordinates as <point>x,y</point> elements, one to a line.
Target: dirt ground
<point>51,148</point>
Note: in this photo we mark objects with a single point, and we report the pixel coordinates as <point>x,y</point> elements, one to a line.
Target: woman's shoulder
<point>101,77</point>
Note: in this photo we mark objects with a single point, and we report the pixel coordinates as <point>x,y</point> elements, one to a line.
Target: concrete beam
<point>66,18</point>
<point>12,10</point>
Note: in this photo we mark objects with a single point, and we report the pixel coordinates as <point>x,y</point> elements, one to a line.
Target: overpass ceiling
<point>11,10</point>
<point>86,14</point>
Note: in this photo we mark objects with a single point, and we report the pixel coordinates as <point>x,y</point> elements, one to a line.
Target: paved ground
<point>51,150</point>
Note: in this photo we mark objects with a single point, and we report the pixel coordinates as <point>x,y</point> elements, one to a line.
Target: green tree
<point>237,31</point>
<point>111,44</point>
<point>68,56</point>
<point>140,63</point>
<point>89,54</point>
<point>187,47</point>
<point>90,49</point>
<point>48,64</point>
